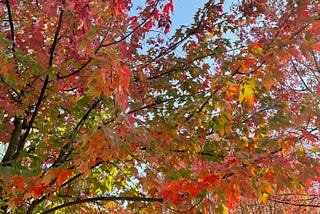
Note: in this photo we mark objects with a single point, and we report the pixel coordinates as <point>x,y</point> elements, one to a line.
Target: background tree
<point>101,114</point>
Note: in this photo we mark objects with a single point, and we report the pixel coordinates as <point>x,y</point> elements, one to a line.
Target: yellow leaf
<point>264,197</point>
<point>221,209</point>
<point>111,204</point>
<point>267,188</point>
<point>210,35</point>
<point>265,191</point>
<point>246,94</point>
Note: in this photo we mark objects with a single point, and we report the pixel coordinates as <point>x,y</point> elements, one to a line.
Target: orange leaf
<point>36,191</point>
<point>62,176</point>
<point>18,181</point>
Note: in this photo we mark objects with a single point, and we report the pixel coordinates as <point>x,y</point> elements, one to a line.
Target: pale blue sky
<point>184,11</point>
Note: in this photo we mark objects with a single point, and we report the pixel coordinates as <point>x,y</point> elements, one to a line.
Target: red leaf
<point>36,191</point>
<point>192,189</point>
<point>168,8</point>
<point>166,195</point>
<point>127,73</point>
<point>172,191</point>
<point>149,25</point>
<point>209,179</point>
<point>156,14</point>
<point>16,201</point>
<point>308,136</point>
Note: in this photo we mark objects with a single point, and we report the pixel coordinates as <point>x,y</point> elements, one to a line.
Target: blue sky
<point>184,11</point>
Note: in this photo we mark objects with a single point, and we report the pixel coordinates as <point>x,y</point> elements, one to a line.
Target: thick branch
<point>14,141</point>
<point>111,198</point>
<point>44,86</point>
<point>33,117</point>
<point>10,23</point>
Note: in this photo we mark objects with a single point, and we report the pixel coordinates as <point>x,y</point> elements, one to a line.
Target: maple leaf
<point>192,189</point>
<point>99,104</point>
<point>62,176</point>
<point>168,8</point>
<point>264,197</point>
<point>246,92</point>
<point>19,182</point>
<point>35,192</point>
<point>308,136</point>
<point>16,201</point>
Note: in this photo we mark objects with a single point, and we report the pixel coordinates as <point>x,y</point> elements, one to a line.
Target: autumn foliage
<point>106,109</point>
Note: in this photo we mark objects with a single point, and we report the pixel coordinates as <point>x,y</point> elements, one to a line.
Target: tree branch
<point>302,80</point>
<point>135,29</point>
<point>44,86</point>
<point>110,198</point>
<point>56,35</point>
<point>294,204</point>
<point>11,24</point>
<point>14,141</point>
<point>35,113</point>
<point>75,130</point>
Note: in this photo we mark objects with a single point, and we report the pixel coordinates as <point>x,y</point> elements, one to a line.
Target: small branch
<point>198,153</point>
<point>110,198</point>
<point>152,105</point>
<point>163,73</point>
<point>157,102</point>
<point>256,113</point>
<point>299,31</point>
<point>107,45</point>
<point>293,204</point>
<point>74,132</point>
<point>134,30</point>
<point>203,105</point>
<point>315,61</point>
<point>178,43</point>
<point>302,80</point>
<point>187,210</point>
<point>77,70</point>
<point>34,204</point>
<point>177,68</point>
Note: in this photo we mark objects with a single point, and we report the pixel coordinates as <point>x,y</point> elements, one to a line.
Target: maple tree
<point>101,112</point>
